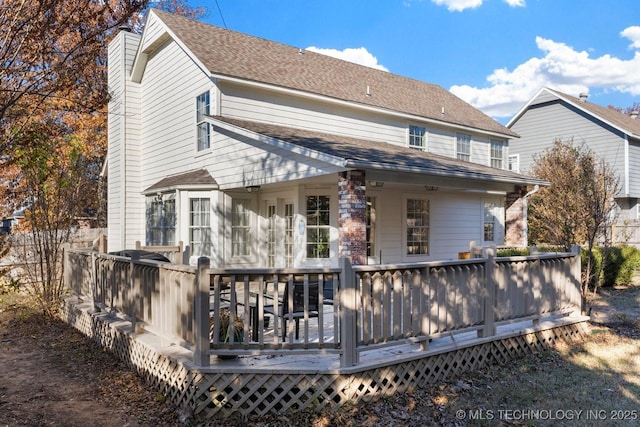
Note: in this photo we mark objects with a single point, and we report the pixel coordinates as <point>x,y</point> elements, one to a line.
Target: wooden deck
<point>392,327</point>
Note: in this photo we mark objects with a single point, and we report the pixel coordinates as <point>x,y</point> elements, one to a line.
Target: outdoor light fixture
<point>252,188</point>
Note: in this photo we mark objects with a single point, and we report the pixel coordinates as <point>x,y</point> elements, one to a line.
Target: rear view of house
<point>255,153</point>
<point>613,136</point>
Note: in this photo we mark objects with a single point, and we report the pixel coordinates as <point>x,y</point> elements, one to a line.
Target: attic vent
<point>584,96</point>
<point>634,114</point>
<point>368,91</point>
<point>124,28</point>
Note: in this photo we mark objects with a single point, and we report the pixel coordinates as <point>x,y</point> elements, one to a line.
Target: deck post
<point>490,295</point>
<point>348,303</point>
<point>133,292</point>
<point>201,324</point>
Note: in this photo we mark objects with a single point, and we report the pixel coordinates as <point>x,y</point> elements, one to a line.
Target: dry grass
<point>51,375</point>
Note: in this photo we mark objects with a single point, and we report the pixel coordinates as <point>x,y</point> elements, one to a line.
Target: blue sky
<point>494,54</point>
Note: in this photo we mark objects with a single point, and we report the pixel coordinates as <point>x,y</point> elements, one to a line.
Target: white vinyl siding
<point>171,84</point>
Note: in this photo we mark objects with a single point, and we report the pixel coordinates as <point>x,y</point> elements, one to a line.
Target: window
<point>161,221</point>
<point>318,227</point>
<point>288,235</point>
<point>241,227</point>
<point>200,226</point>
<point>514,163</point>
<point>496,154</point>
<point>417,227</point>
<point>272,235</point>
<point>417,137</point>
<point>371,226</point>
<point>489,223</point>
<point>463,147</point>
<point>203,108</point>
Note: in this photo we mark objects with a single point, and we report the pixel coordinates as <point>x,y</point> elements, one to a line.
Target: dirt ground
<point>51,375</point>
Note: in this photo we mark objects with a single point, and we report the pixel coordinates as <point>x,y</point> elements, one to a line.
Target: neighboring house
<point>611,135</point>
<point>254,153</point>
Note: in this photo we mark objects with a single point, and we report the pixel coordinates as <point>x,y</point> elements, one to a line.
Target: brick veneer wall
<point>515,232</point>
<point>352,225</point>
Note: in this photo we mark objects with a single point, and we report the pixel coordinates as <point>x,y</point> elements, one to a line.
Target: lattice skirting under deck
<point>218,395</point>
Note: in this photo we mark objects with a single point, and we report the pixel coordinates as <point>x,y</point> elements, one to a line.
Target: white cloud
<point>460,5</point>
<point>358,55</point>
<point>633,34</point>
<point>562,68</point>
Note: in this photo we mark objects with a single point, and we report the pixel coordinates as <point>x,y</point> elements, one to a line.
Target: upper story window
<point>203,108</point>
<point>463,147</point>
<point>496,154</point>
<point>418,137</point>
<point>318,226</point>
<point>417,227</point>
<point>514,163</point>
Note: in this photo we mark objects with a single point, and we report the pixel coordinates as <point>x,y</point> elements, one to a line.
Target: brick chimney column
<point>352,222</point>
<point>515,217</point>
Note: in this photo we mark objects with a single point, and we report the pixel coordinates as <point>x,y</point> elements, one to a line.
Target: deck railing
<point>346,310</point>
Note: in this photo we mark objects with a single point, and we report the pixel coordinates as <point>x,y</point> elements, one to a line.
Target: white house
<point>255,153</point>
<point>613,136</point>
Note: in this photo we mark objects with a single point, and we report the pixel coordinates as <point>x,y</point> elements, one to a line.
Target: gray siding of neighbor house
<point>634,168</point>
<point>542,124</point>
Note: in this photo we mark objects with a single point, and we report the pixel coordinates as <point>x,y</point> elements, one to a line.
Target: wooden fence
<point>346,310</point>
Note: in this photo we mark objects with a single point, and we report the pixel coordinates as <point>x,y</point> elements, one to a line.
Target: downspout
<point>525,209</point>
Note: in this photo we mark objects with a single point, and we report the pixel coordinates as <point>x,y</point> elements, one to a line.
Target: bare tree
<point>579,206</point>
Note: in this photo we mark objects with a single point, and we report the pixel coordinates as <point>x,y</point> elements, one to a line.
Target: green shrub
<point>620,264</point>
<point>596,265</point>
<point>507,252</point>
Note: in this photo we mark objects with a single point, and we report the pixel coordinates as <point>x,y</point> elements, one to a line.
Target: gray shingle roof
<point>196,178</point>
<point>363,153</point>
<point>233,54</point>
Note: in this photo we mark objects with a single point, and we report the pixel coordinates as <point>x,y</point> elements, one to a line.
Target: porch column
<point>515,218</point>
<point>352,222</point>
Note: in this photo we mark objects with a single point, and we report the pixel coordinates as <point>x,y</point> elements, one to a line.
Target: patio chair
<point>297,294</point>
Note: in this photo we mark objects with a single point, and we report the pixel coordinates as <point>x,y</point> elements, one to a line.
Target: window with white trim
<point>418,137</point>
<point>514,163</point>
<point>489,221</point>
<point>371,226</point>
<point>496,154</point>
<point>241,227</point>
<point>318,226</point>
<point>161,220</point>
<point>200,226</point>
<point>203,108</point>
<point>463,147</point>
<point>417,227</point>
